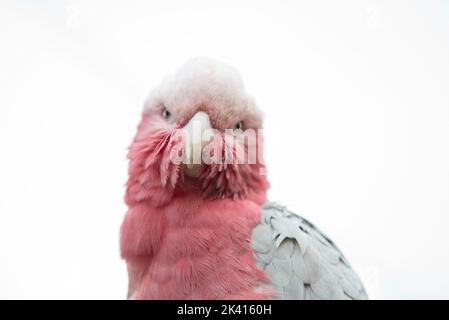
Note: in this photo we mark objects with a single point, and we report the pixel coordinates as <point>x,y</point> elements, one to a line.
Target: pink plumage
<point>190,237</point>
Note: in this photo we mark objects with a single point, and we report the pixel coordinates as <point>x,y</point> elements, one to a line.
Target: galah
<point>198,224</point>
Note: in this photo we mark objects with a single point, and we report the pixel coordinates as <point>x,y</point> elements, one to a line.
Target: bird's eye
<point>166,114</point>
<point>239,125</point>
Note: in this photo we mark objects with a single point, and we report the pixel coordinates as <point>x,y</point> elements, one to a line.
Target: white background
<point>356,99</point>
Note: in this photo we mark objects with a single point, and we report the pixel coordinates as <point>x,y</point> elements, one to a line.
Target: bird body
<point>301,261</point>
<point>192,249</point>
<point>204,230</point>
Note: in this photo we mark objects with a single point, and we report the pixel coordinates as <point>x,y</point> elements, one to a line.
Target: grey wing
<point>301,262</point>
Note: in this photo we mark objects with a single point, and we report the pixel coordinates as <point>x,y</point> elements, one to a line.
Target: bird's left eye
<point>166,114</point>
<point>239,125</point>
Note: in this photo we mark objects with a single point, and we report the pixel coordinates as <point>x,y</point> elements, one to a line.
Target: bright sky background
<point>356,103</point>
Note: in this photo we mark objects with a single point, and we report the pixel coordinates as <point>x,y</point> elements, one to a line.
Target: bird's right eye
<point>166,114</point>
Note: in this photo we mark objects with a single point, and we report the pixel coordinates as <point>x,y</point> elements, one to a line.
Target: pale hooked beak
<point>194,141</point>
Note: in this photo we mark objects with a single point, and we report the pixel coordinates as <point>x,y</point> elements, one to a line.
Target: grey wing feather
<point>302,262</point>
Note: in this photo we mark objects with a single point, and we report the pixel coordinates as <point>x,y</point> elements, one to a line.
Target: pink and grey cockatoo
<point>203,229</point>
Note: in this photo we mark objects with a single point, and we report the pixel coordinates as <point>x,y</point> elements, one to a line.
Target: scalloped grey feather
<point>301,262</point>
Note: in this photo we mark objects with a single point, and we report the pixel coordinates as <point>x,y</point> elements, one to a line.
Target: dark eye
<point>166,114</point>
<point>239,125</point>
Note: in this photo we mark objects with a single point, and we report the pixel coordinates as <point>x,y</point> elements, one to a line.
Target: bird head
<point>199,132</point>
